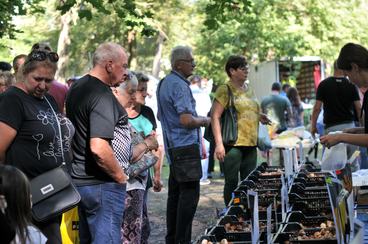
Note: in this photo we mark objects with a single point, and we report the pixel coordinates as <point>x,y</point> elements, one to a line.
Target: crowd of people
<point>102,115</point>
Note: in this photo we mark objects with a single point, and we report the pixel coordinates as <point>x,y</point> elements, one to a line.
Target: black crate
<point>290,234</point>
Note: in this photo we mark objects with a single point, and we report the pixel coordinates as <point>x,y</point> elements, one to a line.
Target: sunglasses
<point>42,46</point>
<point>42,55</point>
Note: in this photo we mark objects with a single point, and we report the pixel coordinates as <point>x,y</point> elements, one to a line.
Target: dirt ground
<point>206,216</point>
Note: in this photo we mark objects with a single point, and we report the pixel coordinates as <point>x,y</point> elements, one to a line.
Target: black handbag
<point>208,135</point>
<point>229,123</point>
<point>53,192</point>
<point>186,163</point>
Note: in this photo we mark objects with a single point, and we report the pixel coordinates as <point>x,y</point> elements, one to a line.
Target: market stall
<point>304,205</point>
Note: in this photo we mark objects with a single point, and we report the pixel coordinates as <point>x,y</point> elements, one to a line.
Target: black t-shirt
<point>94,111</point>
<point>36,147</point>
<point>338,96</point>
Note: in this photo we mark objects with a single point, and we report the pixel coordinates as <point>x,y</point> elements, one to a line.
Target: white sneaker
<point>204,182</point>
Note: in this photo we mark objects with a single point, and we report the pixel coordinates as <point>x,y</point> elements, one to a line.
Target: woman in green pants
<point>241,157</point>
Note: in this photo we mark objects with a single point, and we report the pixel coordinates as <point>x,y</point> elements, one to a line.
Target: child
<point>15,188</point>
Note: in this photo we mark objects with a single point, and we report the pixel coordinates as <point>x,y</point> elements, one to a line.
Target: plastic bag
<point>69,227</point>
<point>264,140</point>
<point>334,157</point>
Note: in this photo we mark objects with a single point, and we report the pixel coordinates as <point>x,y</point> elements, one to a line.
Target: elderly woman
<point>29,131</point>
<point>135,227</point>
<point>353,60</point>
<point>6,80</point>
<point>242,156</point>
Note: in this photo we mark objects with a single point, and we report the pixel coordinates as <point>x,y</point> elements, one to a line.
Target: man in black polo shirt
<point>340,99</point>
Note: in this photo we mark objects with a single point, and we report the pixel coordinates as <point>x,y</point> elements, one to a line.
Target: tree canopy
<point>260,30</point>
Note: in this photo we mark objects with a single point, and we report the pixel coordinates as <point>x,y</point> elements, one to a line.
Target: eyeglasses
<point>190,61</point>
<point>42,55</point>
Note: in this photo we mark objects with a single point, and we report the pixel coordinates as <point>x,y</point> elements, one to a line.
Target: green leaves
<point>85,13</point>
<point>9,9</point>
<point>135,18</point>
<point>269,29</point>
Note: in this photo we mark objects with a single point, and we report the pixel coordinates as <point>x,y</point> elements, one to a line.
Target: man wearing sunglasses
<point>94,111</point>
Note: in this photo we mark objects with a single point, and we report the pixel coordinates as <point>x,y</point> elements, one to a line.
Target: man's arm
<point>190,122</point>
<point>105,158</point>
<point>354,139</point>
<point>316,110</point>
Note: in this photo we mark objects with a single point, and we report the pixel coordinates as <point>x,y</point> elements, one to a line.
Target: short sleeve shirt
<point>36,147</point>
<point>247,108</point>
<point>94,111</point>
<point>144,123</point>
<point>275,107</point>
<point>337,95</point>
<point>174,98</point>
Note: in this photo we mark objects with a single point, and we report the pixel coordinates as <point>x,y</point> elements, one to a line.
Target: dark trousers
<point>238,160</point>
<point>182,203</point>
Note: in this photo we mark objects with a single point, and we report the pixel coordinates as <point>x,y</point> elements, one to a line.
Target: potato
<point>224,241</point>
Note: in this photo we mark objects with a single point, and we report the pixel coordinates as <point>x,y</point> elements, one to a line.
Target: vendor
<point>353,60</point>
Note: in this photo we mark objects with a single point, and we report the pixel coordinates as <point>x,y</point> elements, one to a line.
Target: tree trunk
<point>63,44</point>
<point>157,60</point>
<point>132,44</point>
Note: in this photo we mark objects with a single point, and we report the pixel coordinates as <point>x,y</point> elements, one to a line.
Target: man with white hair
<point>94,111</point>
<point>181,127</point>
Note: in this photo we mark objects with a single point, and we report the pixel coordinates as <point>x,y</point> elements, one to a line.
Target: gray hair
<point>131,80</point>
<point>179,52</point>
<point>7,77</point>
<point>106,51</point>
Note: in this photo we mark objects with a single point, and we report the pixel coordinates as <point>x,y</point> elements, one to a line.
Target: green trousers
<point>237,160</point>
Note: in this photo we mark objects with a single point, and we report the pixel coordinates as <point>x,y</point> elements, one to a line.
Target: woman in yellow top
<point>242,156</point>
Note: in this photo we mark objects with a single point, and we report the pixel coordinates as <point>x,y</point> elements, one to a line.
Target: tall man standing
<point>181,127</point>
<point>94,111</point>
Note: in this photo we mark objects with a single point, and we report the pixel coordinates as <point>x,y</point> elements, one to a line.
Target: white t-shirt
<point>35,237</point>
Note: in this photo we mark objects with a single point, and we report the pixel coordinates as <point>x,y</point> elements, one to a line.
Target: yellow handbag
<point>70,226</point>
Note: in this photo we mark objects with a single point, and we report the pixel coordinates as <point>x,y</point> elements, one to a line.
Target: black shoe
<point>209,176</point>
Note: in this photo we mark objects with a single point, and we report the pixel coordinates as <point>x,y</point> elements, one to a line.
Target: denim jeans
<point>101,212</point>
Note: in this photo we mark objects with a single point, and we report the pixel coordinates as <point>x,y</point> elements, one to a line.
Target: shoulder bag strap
<point>230,102</point>
<point>59,129</point>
